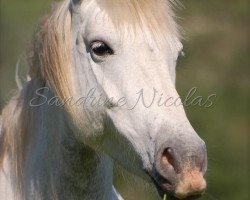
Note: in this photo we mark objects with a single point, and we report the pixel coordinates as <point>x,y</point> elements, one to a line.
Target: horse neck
<point>58,166</point>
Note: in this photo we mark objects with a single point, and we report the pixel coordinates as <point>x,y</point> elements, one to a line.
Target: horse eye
<point>99,48</point>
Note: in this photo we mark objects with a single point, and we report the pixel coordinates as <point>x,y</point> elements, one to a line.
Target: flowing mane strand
<point>51,60</point>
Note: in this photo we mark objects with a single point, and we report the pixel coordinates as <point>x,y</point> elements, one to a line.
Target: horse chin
<point>170,195</point>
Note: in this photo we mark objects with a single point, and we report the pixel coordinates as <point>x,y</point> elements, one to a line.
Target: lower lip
<point>187,198</point>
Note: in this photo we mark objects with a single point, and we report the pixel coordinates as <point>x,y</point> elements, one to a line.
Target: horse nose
<point>180,166</point>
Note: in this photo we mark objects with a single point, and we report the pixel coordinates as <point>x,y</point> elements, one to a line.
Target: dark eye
<point>99,48</point>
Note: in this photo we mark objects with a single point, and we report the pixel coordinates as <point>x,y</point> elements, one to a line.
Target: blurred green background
<point>216,62</point>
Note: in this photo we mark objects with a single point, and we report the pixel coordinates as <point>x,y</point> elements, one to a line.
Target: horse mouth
<point>170,191</point>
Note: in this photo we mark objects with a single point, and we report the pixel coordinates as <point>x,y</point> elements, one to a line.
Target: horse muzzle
<point>180,165</point>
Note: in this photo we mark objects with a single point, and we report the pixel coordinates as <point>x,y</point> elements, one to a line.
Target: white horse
<point>95,66</point>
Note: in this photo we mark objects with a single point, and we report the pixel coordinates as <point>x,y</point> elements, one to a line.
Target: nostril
<point>166,175</point>
<point>167,157</point>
